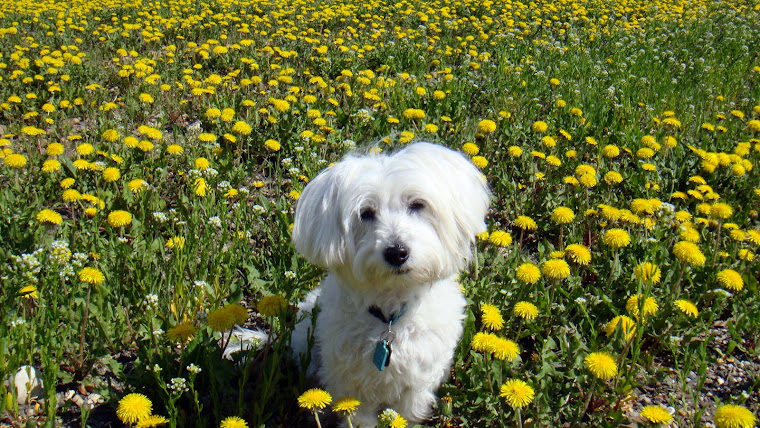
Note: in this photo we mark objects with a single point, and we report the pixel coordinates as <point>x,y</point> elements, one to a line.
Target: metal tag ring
<point>388,336</point>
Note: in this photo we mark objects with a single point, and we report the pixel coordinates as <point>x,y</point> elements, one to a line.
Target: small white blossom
<point>151,300</point>
<point>215,221</point>
<point>178,385</point>
<point>160,216</point>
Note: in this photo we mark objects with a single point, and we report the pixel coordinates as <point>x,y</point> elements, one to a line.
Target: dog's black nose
<point>396,255</point>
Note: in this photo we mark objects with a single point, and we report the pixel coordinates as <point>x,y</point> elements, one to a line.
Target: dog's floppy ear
<point>317,231</point>
<point>323,215</point>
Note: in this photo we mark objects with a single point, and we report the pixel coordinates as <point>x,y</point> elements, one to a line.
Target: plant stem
<point>588,399</point>
<point>86,315</point>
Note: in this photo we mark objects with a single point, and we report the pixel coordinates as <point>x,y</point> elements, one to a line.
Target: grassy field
<point>151,155</point>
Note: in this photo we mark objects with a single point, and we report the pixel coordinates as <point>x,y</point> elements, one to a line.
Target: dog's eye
<point>416,206</point>
<point>367,214</point>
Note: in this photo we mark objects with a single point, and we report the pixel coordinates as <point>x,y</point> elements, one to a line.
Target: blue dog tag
<point>382,356</point>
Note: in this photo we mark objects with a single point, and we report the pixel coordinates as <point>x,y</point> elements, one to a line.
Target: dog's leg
<point>416,405</point>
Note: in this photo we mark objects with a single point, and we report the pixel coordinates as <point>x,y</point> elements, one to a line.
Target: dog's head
<point>393,220</point>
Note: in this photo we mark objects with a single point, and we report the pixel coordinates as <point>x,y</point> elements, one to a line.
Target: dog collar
<point>382,356</point>
<point>376,312</point>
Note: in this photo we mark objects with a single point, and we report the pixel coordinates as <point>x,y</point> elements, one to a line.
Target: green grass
<point>80,72</point>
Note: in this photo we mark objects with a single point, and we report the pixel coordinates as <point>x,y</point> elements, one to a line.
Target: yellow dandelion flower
<point>54,149</point>
<point>50,166</point>
<point>601,364</point>
<point>137,185</point>
<point>500,238</point>
<point>656,414</point>
<point>202,164</point>
<point>689,253</point>
<point>133,408</point>
<point>15,161</point>
<point>611,151</point>
<point>648,273</point>
<point>272,306</point>
<point>616,238</point>
<point>732,416</point>
<point>555,269</point>
<point>174,149</point>
<point>238,312</point>
<point>413,113</point>
<point>470,148</point>
<point>731,279</point>
<point>119,218</point>
<point>745,254</point>
<point>213,113</point>
<point>525,310</point>
<point>481,342</point>
<point>517,393</point>
<point>526,223</point>
<point>650,306</point>
<point>690,235</point>
<point>221,319</point>
<point>181,332</point>
<point>28,292</point>
<point>486,126</point>
<point>207,137</point>
<point>200,187</point>
<point>504,349</point>
<point>242,128</point>
<point>398,422</point>
<point>625,324</point>
<point>721,211</point>
<point>111,175</point>
<point>177,242</point>
<point>32,131</point>
<point>479,161</point>
<point>528,273</point>
<point>152,421</point>
<point>579,254</point>
<point>612,178</point>
<point>346,405</point>
<point>563,215</point>
<point>272,145</point>
<point>314,399</point>
<point>687,308</point>
<point>491,317</point>
<point>85,149</point>
<point>48,216</point>
<point>514,151</point>
<point>753,236</point>
<point>110,135</point>
<point>539,126</point>
<point>233,422</point>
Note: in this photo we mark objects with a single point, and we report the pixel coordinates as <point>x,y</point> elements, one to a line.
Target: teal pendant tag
<point>382,356</point>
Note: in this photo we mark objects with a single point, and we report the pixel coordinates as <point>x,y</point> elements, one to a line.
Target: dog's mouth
<point>401,271</point>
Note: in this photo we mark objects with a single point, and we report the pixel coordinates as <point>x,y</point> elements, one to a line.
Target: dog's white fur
<point>432,201</point>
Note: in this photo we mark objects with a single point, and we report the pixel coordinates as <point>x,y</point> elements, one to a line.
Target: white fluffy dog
<point>393,232</point>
